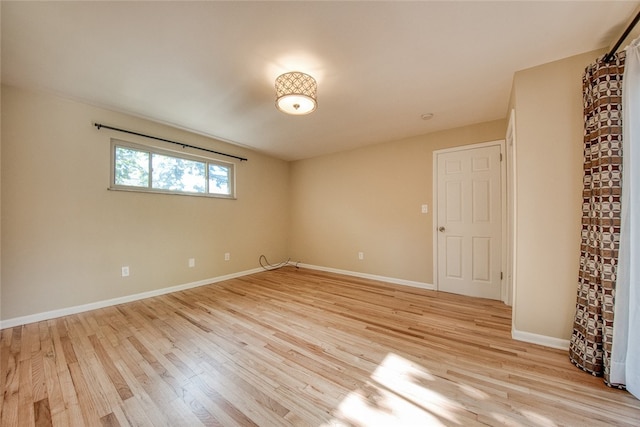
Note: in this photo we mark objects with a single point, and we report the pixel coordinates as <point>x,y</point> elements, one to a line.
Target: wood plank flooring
<point>296,347</point>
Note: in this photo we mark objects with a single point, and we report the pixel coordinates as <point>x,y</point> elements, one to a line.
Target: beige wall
<point>65,236</point>
<point>368,200</point>
<point>549,126</point>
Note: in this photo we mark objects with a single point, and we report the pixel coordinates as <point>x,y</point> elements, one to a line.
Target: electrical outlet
<point>227,256</point>
<point>360,255</point>
<point>125,271</point>
<point>192,262</point>
<point>425,209</point>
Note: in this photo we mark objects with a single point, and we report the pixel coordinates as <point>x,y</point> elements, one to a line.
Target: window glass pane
<point>132,167</point>
<point>152,169</point>
<point>219,179</point>
<point>175,174</point>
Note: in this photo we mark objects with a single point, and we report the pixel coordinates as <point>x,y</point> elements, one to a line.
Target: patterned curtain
<point>591,340</point>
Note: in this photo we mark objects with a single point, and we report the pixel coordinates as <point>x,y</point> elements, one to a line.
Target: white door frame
<point>512,211</point>
<point>503,202</point>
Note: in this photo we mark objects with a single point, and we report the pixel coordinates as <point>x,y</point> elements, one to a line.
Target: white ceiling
<point>209,67</point>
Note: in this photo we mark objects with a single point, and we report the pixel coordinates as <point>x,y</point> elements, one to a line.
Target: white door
<point>469,222</point>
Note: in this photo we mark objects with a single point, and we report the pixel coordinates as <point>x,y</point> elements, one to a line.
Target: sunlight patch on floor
<point>403,393</point>
<point>538,420</point>
<point>410,382</point>
<point>397,395</point>
<point>387,409</point>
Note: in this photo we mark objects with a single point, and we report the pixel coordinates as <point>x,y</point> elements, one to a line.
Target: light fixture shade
<point>296,93</point>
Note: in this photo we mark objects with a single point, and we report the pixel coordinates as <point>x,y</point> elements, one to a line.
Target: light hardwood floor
<point>296,347</point>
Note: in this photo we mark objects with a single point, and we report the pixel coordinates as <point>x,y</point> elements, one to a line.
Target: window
<point>141,168</point>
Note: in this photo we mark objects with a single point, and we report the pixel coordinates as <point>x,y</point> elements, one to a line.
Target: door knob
<point>441,229</point>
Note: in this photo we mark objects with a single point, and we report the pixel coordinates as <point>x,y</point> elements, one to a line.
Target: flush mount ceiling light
<point>296,93</point>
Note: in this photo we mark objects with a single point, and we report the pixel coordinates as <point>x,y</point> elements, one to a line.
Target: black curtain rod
<point>183,145</point>
<point>624,35</point>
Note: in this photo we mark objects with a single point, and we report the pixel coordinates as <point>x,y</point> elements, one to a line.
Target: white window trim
<point>152,149</point>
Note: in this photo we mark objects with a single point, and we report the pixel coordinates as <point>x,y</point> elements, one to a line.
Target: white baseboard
<point>540,339</point>
<point>38,317</point>
<point>393,280</point>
